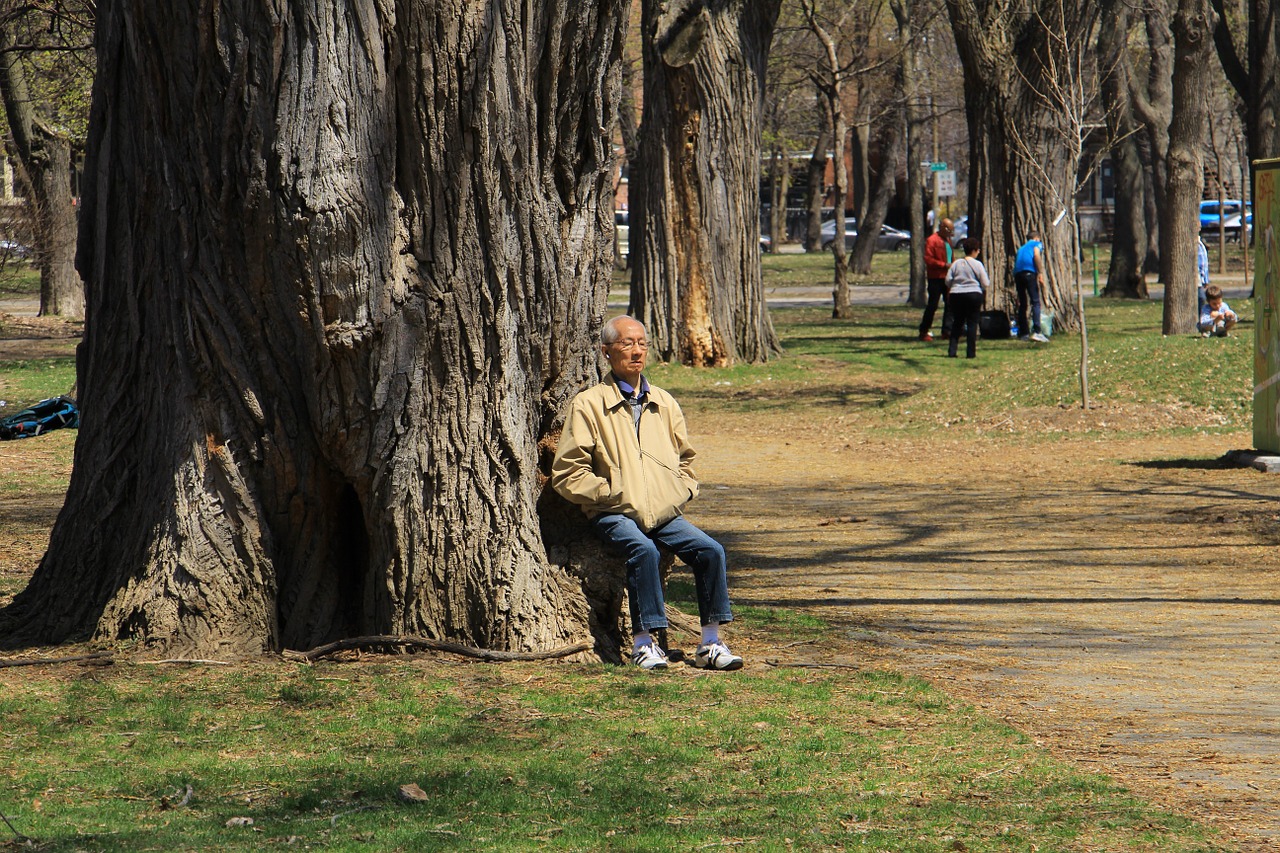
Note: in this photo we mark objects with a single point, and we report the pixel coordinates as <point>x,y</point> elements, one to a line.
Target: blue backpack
<point>54,413</point>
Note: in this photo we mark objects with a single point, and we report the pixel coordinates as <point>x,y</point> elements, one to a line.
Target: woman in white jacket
<point>967,284</point>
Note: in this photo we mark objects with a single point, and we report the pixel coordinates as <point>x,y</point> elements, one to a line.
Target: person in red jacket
<point>937,260</point>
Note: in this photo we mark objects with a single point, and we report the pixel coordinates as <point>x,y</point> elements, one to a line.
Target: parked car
<point>1231,226</point>
<point>14,249</point>
<point>1211,210</point>
<point>959,230</point>
<point>891,239</point>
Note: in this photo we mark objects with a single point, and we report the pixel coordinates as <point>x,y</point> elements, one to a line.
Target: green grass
<point>873,366</point>
<point>572,757</point>
<point>26,381</point>
<point>18,279</point>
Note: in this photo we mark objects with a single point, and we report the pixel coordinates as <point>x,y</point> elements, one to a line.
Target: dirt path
<point>1114,600</point>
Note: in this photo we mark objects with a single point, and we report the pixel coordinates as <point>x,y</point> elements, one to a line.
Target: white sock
<point>641,639</point>
<point>710,634</point>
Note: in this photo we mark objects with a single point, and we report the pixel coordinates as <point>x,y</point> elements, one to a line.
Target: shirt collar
<point>628,391</point>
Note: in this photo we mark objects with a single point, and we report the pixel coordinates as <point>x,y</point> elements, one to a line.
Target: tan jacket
<point>603,466</point>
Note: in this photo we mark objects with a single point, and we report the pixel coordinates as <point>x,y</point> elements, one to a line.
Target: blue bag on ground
<point>54,413</point>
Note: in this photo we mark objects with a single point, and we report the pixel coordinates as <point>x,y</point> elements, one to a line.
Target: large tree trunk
<point>1125,278</point>
<point>44,157</point>
<point>696,283</point>
<point>1154,104</point>
<point>903,12</point>
<point>1020,178</point>
<point>1180,219</point>
<point>345,262</point>
<point>817,177</point>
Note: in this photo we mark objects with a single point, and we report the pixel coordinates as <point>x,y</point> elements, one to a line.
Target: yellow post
<point>1266,291</point>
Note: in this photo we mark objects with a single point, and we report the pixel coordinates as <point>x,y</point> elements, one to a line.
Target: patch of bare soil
<point>1114,599</point>
<point>37,337</point>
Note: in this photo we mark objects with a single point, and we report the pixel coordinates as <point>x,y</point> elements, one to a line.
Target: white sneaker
<point>649,657</point>
<point>1039,338</point>
<point>716,656</point>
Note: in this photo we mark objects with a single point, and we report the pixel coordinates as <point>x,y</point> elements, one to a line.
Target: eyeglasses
<point>628,345</point>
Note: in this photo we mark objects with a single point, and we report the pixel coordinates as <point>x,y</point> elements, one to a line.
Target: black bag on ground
<point>54,413</point>
<point>993,324</point>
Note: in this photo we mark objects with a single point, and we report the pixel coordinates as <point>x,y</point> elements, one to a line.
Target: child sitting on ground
<point>1216,316</point>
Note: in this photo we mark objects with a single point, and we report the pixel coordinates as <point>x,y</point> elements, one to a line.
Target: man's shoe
<point>1039,338</point>
<point>716,656</point>
<point>926,337</point>
<point>651,657</point>
<point>1024,337</point>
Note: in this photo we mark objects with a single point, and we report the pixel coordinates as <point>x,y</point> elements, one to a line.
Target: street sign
<point>946,183</point>
<point>937,167</point>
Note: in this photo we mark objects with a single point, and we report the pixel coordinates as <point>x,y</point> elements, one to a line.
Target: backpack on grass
<point>54,413</point>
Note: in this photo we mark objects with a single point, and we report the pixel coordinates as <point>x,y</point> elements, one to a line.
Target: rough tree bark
<point>344,265</point>
<point>696,283</point>
<point>1193,25</point>
<point>1019,180</point>
<point>44,159</point>
<point>1125,278</point>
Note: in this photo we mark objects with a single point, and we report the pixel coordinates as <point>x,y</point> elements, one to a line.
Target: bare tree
<point>40,138</point>
<point>344,264</point>
<point>696,281</point>
<point>1020,178</point>
<point>1193,26</point>
<point>1253,73</point>
<point>1125,276</point>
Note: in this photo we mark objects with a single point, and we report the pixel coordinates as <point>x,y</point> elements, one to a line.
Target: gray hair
<point>609,334</point>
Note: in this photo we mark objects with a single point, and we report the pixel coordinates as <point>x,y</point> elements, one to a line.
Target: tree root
<point>98,659</point>
<point>381,640</point>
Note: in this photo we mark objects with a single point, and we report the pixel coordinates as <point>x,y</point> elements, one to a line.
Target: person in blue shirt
<point>1202,265</point>
<point>1028,279</point>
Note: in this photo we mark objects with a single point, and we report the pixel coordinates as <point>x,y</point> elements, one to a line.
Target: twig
<point>183,660</point>
<point>101,657</point>
<point>433,645</point>
<point>811,664</point>
<point>17,836</point>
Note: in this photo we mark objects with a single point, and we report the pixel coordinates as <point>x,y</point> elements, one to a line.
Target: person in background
<point>624,458</point>
<point>1216,317</point>
<point>937,260</point>
<point>967,284</point>
<point>1202,266</point>
<point>1028,279</point>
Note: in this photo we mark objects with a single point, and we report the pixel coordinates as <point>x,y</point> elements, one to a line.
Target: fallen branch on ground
<point>102,658</point>
<point>382,640</point>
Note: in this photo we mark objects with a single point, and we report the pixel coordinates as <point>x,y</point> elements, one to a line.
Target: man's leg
<point>1020,285</point>
<point>644,582</point>
<point>935,291</point>
<point>705,557</point>
<point>1033,293</point>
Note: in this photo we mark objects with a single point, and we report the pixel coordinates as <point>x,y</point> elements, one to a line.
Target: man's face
<point>944,228</point>
<point>627,355</point>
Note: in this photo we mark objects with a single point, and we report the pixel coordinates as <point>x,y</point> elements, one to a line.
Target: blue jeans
<point>1027,284</point>
<point>644,582</point>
